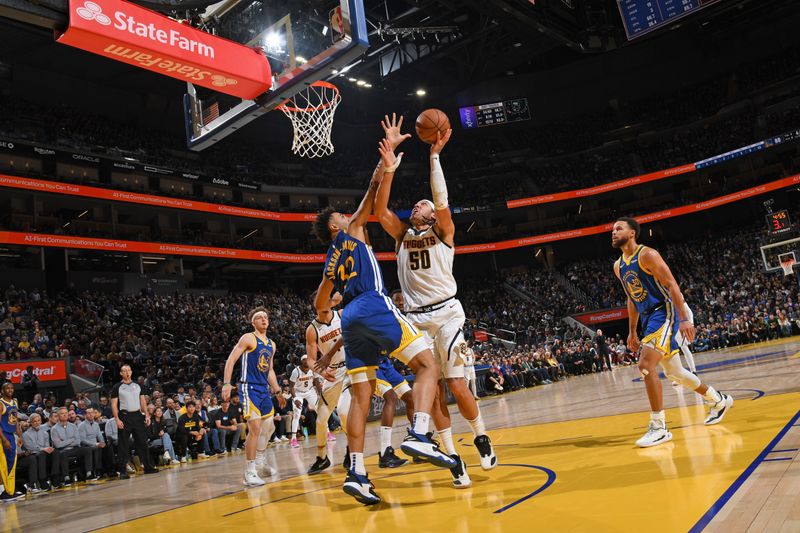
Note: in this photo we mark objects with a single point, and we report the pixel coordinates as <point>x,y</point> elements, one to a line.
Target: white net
<point>311,112</point>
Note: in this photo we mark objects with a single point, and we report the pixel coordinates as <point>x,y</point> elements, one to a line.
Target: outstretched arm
<point>444,219</point>
<point>390,222</point>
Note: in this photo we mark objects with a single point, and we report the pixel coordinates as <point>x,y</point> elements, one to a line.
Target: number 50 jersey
<point>425,269</point>
<point>353,268</point>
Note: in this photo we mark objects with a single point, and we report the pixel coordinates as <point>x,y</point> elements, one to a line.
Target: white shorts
<point>339,375</point>
<point>330,396</point>
<point>443,331</point>
<point>310,396</point>
<point>469,372</point>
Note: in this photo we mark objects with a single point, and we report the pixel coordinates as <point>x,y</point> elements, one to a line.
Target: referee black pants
<point>133,422</point>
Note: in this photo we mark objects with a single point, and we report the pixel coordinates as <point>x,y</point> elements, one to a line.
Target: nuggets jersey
<point>425,269</point>
<point>303,381</point>
<point>256,363</point>
<point>327,337</point>
<point>641,286</point>
<point>352,267</point>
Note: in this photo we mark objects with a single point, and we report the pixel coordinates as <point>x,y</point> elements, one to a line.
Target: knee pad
<point>675,372</point>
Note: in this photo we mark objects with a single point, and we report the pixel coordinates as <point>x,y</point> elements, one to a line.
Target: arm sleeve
<point>438,185</point>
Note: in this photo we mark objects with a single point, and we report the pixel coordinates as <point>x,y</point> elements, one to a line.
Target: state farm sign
<point>140,37</point>
<point>47,370</point>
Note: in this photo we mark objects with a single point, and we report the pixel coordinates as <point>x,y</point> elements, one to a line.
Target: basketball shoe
<point>389,459</point>
<point>486,451</point>
<point>319,465</point>
<point>360,488</point>
<point>461,479</point>
<point>656,434</point>
<point>424,447</point>
<point>719,409</point>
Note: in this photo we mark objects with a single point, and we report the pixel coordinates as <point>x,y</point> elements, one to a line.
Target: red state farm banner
<point>599,317</point>
<point>47,370</point>
<point>480,335</point>
<point>132,34</point>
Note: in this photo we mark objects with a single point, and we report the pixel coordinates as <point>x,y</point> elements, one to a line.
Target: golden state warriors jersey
<point>353,268</point>
<point>8,416</point>
<point>641,286</point>
<point>256,363</point>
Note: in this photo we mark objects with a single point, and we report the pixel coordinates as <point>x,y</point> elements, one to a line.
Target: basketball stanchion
<point>311,112</point>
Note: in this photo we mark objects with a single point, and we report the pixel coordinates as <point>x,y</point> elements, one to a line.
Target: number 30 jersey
<point>352,267</point>
<point>425,269</point>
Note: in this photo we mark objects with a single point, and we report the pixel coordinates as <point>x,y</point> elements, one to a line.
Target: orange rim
<point>325,84</point>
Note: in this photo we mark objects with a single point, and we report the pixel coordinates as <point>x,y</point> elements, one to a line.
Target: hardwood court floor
<point>567,463</point>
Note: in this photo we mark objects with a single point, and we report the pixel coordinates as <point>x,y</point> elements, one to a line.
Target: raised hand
<point>391,129</point>
<point>389,160</point>
<point>441,140</point>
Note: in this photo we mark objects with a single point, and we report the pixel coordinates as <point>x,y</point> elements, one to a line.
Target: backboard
<point>774,252</point>
<point>304,41</point>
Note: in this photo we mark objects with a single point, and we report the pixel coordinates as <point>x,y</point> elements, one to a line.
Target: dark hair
<point>631,222</point>
<point>396,291</point>
<point>319,227</point>
<point>253,312</point>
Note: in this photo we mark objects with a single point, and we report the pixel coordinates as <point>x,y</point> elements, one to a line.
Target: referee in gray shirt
<point>130,411</point>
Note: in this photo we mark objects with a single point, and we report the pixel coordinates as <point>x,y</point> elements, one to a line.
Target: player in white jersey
<point>469,371</point>
<point>425,269</point>
<point>322,337</point>
<point>302,383</point>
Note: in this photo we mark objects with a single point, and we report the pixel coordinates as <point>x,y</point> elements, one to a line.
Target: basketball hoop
<point>787,263</point>
<point>311,112</point>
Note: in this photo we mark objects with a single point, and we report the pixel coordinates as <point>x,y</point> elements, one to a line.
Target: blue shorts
<point>372,325</point>
<point>388,373</point>
<point>660,329</point>
<point>256,401</point>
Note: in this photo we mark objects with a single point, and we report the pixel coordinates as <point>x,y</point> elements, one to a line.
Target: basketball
<point>429,122</point>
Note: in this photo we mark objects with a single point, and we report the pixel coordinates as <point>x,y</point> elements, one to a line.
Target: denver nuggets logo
<point>263,360</point>
<point>634,287</point>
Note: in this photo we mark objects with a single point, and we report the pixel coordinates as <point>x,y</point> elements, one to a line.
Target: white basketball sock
<point>251,466</point>
<point>422,422</point>
<point>712,395</point>
<point>477,425</point>
<point>658,416</point>
<point>447,440</point>
<point>357,463</point>
<point>385,434</point>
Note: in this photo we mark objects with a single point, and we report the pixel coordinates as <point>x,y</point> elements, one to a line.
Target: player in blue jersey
<point>655,300</point>
<point>257,381</point>
<point>8,432</point>
<point>372,324</point>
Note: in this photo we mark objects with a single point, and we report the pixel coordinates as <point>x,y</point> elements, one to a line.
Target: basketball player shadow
<point>589,442</point>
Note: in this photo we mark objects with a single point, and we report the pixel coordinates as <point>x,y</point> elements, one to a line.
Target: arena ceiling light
<point>421,92</point>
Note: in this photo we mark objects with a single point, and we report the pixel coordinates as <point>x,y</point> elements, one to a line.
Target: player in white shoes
<point>257,379</point>
<point>301,382</point>
<point>323,336</point>
<point>655,297</point>
<point>425,270</point>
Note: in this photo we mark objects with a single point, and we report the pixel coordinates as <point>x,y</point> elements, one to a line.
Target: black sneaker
<point>44,485</point>
<point>124,475</point>
<point>319,465</point>
<point>67,482</point>
<point>151,471</point>
<point>390,460</point>
<point>418,460</point>
<point>346,460</point>
<point>461,479</point>
<point>424,446</point>
<point>7,498</point>
<point>360,488</point>
<point>484,446</point>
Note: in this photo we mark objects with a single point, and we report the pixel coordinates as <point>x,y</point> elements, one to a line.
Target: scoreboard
<point>504,112</point>
<point>642,16</point>
<point>778,222</point>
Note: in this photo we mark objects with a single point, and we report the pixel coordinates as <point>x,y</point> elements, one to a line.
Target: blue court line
<point>728,494</point>
<point>779,459</point>
<point>729,362</point>
<point>787,450</point>
<point>759,393</point>
<point>551,477</point>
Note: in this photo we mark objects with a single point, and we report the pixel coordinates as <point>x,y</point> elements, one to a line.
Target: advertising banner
<point>599,317</point>
<point>132,34</point>
<point>45,369</point>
